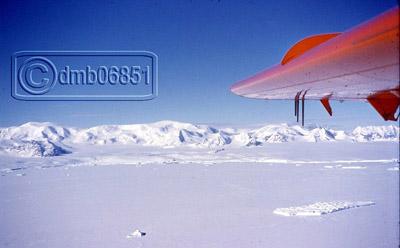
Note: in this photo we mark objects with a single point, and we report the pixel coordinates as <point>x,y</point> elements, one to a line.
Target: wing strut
<point>302,108</point>
<point>297,105</point>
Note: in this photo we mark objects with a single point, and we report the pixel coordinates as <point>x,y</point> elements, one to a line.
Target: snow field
<point>203,187</point>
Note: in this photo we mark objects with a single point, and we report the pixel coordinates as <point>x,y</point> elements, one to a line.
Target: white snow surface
<point>35,139</point>
<point>186,186</point>
<point>321,208</point>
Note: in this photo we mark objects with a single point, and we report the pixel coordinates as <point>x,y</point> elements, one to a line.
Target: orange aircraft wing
<point>361,63</point>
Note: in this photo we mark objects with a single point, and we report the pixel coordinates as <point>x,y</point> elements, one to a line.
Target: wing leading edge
<point>361,63</point>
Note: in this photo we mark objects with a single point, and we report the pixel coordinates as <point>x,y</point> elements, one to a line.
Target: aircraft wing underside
<point>359,64</point>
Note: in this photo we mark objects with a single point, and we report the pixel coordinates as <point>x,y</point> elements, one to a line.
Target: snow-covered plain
<point>185,185</point>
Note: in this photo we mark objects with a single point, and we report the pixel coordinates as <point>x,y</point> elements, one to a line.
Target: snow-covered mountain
<point>48,139</point>
<point>372,133</point>
<point>34,139</point>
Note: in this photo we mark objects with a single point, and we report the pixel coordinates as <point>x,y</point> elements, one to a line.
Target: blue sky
<point>203,48</point>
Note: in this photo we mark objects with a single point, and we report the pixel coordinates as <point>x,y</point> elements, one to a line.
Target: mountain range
<point>34,139</point>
